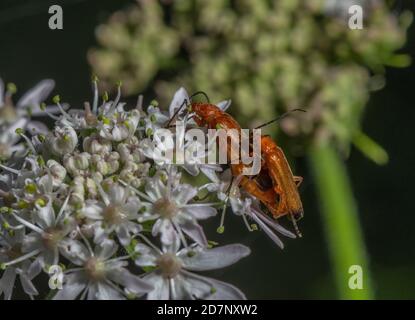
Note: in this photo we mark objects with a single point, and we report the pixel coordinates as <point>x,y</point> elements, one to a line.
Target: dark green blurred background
<point>30,51</point>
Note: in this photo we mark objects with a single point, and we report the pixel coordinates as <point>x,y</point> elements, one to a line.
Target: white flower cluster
<point>89,197</point>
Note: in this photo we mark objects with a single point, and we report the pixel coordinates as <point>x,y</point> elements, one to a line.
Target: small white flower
<point>166,148</point>
<point>11,243</point>
<point>48,231</point>
<point>173,276</point>
<point>130,150</point>
<point>28,105</point>
<point>56,175</point>
<point>195,158</point>
<point>117,212</point>
<point>156,116</point>
<point>179,98</point>
<point>119,126</point>
<point>134,173</point>
<point>169,205</point>
<point>30,169</point>
<point>222,186</point>
<point>249,207</point>
<point>99,276</point>
<point>160,151</point>
<point>9,145</point>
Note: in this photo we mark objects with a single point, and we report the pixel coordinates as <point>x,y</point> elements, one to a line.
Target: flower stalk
<point>341,221</point>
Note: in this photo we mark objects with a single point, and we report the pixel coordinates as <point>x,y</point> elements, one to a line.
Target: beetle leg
<point>231,185</point>
<point>282,208</point>
<point>298,180</point>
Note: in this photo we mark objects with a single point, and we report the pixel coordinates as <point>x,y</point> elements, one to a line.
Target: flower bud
<point>99,164</point>
<point>77,192</point>
<point>63,140</point>
<point>124,152</point>
<point>95,144</point>
<point>82,160</point>
<point>57,170</point>
<point>130,150</point>
<point>91,188</point>
<point>77,163</point>
<point>113,162</point>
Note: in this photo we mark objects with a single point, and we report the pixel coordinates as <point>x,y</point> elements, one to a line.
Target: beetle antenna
<point>279,118</point>
<point>185,102</point>
<point>200,93</point>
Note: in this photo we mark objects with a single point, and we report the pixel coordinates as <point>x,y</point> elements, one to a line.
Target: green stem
<point>342,226</point>
<point>370,148</point>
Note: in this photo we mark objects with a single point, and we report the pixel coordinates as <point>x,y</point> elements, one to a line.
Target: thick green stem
<point>343,231</point>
